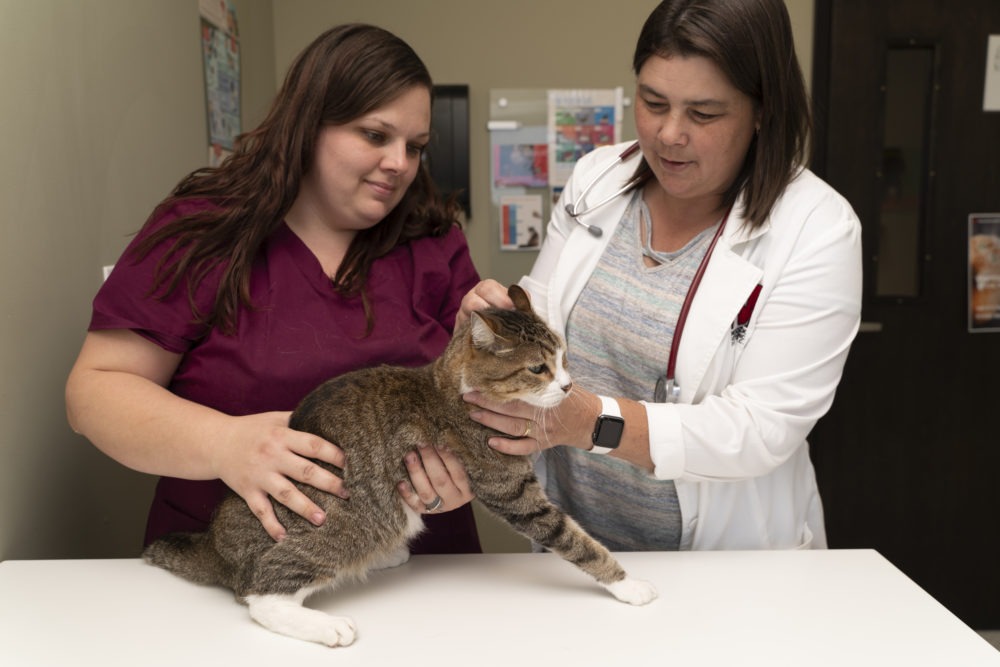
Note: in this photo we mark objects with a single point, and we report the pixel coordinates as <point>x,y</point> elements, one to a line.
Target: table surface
<point>837,607</point>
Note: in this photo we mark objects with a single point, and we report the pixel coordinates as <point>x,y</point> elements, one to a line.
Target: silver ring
<point>434,505</point>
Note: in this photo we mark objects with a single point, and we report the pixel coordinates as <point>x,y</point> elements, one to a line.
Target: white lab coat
<point>735,444</point>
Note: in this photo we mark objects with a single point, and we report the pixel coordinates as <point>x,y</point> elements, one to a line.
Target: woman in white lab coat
<point>712,453</point>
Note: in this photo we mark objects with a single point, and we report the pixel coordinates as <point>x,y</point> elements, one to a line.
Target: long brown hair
<point>751,42</point>
<point>346,72</point>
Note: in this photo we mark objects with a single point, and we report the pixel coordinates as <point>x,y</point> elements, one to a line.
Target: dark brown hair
<point>345,73</point>
<point>751,42</point>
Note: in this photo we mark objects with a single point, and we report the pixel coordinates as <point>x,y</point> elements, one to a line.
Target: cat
<point>377,415</point>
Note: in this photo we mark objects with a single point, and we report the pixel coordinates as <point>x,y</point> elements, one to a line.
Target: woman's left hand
<point>485,294</point>
<point>438,482</point>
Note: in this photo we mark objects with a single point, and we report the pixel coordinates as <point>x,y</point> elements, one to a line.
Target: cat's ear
<point>486,331</point>
<point>519,297</point>
<point>483,336</point>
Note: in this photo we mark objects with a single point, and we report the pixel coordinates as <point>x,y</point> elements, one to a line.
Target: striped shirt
<point>619,334</point>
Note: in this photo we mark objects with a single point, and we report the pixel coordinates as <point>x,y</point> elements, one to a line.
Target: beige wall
<point>102,112</point>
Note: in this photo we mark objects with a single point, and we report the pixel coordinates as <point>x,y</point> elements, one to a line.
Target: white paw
<point>633,591</point>
<point>339,632</point>
<point>285,615</point>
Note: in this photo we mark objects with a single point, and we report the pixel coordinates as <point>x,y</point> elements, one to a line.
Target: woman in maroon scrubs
<point>320,246</point>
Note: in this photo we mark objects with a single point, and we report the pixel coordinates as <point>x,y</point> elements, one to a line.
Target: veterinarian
<point>711,244</point>
<point>319,247</point>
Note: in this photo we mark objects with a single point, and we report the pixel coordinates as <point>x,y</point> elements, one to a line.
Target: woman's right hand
<point>116,396</point>
<point>261,458</point>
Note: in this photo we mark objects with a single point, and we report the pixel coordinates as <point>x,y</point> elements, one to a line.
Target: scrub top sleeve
<point>126,300</point>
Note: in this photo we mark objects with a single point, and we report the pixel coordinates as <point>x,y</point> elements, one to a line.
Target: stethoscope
<point>574,211</point>
<point>667,390</point>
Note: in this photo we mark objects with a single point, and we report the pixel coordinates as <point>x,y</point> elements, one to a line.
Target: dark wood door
<point>908,459</point>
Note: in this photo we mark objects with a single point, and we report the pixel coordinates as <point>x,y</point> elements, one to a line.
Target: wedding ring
<point>434,505</point>
<point>527,429</point>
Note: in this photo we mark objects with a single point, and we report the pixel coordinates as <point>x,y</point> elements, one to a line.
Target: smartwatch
<point>608,428</point>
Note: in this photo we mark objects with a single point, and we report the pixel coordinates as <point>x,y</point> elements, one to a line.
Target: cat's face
<point>515,356</point>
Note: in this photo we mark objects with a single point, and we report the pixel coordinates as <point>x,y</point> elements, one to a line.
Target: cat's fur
<point>378,415</point>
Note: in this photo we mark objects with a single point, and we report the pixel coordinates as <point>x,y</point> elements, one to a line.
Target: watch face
<point>608,431</point>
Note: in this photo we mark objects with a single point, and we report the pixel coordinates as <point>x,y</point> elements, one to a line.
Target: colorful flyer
<point>521,222</point>
<point>984,272</point>
<point>220,49</point>
<point>579,122</point>
<point>521,165</point>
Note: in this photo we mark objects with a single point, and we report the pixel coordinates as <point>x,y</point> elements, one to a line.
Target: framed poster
<point>220,48</point>
<point>580,121</point>
<point>984,272</point>
<point>521,222</point>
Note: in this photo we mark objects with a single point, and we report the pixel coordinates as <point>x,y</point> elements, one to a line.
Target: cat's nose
<point>567,387</point>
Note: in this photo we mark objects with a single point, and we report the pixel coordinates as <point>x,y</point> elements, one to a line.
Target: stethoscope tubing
<point>688,298</point>
<point>574,209</point>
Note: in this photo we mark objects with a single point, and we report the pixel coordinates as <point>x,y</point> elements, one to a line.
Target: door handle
<point>870,327</point>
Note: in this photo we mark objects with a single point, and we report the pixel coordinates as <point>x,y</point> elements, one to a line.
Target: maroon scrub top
<point>299,333</point>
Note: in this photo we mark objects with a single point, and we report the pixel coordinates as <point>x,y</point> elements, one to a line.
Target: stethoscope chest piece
<point>666,391</point>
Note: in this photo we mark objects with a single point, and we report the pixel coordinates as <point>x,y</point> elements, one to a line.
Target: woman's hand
<point>485,294</point>
<point>531,429</point>
<point>438,482</point>
<point>116,396</point>
<point>262,456</point>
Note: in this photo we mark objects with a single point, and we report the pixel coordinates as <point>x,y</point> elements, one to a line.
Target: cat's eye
<point>537,370</point>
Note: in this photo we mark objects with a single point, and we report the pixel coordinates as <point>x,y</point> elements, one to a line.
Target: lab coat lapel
<point>728,281</point>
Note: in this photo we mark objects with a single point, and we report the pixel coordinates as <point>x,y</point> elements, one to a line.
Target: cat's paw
<point>329,631</point>
<point>633,591</point>
<point>285,615</point>
<point>341,631</point>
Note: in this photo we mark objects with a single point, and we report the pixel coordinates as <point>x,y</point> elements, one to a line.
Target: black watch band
<point>608,428</point>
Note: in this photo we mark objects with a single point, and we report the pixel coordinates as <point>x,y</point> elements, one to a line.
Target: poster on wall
<point>520,222</point>
<point>524,165</point>
<point>984,272</point>
<point>579,122</point>
<point>536,137</point>
<point>220,50</point>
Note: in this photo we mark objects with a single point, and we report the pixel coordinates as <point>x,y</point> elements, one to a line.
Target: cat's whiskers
<point>557,451</point>
<point>539,432</point>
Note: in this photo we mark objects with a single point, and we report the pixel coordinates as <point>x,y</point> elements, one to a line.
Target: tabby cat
<point>377,415</point>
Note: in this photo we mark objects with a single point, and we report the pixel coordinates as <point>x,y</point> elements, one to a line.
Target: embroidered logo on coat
<point>738,331</point>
